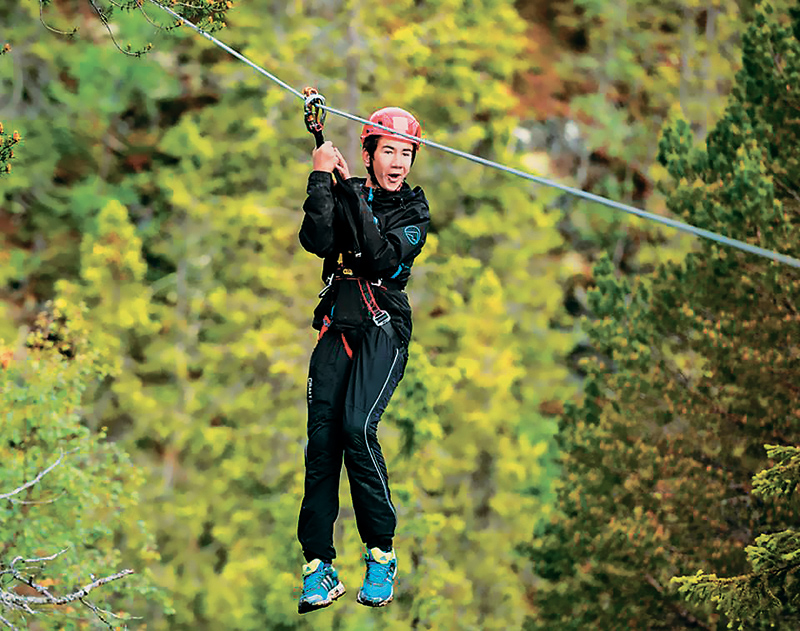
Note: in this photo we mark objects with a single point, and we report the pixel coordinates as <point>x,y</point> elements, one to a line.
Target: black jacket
<point>390,232</point>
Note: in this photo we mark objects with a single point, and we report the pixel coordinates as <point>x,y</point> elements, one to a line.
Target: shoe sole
<point>369,603</point>
<point>336,593</point>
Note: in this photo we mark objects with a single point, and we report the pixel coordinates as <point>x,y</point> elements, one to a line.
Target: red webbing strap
<point>373,307</point>
<point>347,348</point>
<point>326,323</point>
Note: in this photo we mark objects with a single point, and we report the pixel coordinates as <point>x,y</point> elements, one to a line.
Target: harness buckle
<point>381,318</point>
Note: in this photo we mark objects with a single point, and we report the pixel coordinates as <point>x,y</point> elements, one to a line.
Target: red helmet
<point>393,118</point>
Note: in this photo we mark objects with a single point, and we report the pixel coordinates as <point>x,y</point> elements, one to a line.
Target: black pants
<point>346,398</point>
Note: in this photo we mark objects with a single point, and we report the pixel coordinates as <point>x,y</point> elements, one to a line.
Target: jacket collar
<point>381,194</point>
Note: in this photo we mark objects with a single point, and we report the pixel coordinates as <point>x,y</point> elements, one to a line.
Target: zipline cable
<point>227,48</point>
<point>673,223</point>
<point>680,225</point>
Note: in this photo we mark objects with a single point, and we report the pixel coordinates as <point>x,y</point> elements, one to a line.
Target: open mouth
<point>394,178</point>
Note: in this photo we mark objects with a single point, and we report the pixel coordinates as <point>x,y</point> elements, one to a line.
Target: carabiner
<point>313,114</point>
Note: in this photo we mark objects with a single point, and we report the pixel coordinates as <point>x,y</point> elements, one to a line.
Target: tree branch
<point>786,188</point>
<point>684,615</point>
<point>149,19</point>
<point>28,485</point>
<point>60,600</point>
<point>8,624</point>
<point>52,557</point>
<point>38,502</point>
<point>50,28</point>
<point>99,613</point>
<point>17,602</point>
<point>104,19</point>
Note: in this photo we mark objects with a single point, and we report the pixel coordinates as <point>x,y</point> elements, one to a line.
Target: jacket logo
<point>413,234</point>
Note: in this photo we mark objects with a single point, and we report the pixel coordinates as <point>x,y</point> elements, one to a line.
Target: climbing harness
<point>350,312</point>
<point>345,275</point>
<point>673,223</point>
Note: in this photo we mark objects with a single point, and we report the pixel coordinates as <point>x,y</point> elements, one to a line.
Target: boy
<point>368,231</point>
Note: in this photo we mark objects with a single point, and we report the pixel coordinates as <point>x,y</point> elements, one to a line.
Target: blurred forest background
<point>588,395</point>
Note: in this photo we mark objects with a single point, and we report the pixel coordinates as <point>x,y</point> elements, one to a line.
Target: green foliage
<point>693,371</point>
<point>630,66</point>
<point>164,193</point>
<point>114,16</point>
<point>87,504</point>
<point>771,587</point>
<point>170,206</point>
<point>782,478</point>
<point>769,591</point>
<point>638,55</point>
<point>6,142</point>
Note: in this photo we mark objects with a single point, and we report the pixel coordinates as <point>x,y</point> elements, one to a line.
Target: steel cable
<point>673,223</point>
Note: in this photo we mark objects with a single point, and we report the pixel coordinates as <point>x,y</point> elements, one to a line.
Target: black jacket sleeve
<point>387,253</point>
<point>317,232</point>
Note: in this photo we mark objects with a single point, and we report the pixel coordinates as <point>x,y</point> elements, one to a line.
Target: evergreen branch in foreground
<point>783,477</point>
<point>773,586</point>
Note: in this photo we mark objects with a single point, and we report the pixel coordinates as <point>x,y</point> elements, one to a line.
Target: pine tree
<point>772,587</point>
<point>695,370</point>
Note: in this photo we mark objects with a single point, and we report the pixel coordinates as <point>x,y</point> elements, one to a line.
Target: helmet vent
<point>400,123</point>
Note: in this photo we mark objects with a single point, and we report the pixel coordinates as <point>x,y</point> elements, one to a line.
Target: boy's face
<point>392,162</point>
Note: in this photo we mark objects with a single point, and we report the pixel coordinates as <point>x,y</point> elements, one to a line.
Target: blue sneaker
<point>321,586</point>
<point>378,587</point>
